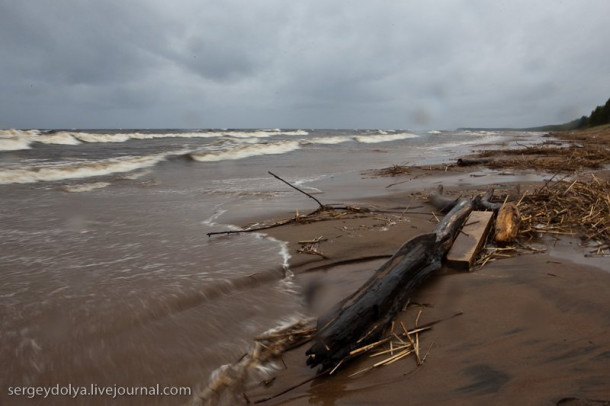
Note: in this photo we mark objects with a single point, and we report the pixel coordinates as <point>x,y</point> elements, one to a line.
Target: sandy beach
<point>530,327</point>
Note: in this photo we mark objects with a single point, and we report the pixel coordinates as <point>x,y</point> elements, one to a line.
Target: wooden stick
<point>296,188</point>
<point>253,230</point>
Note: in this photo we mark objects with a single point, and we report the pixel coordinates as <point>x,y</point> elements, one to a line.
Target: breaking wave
<point>58,138</point>
<point>327,140</point>
<point>246,151</point>
<point>13,140</point>
<point>372,139</point>
<point>41,172</point>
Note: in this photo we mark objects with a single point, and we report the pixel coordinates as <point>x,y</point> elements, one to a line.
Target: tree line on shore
<point>599,116</point>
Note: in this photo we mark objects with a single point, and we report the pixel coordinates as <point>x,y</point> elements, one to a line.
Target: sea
<point>107,275</point>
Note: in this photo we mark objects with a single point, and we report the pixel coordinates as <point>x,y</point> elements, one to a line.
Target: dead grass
<point>579,207</point>
<point>394,170</point>
<point>550,158</point>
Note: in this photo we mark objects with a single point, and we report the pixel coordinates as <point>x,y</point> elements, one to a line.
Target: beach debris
<point>577,207</point>
<point>393,170</point>
<point>397,344</point>
<point>560,207</point>
<point>229,383</point>
<point>550,158</point>
<point>472,162</point>
<point>312,246</point>
<point>361,318</point>
<point>444,203</point>
<point>441,202</point>
<point>324,212</point>
<point>470,240</point>
<point>297,189</point>
<point>507,223</point>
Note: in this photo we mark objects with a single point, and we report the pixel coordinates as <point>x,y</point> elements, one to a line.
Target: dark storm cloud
<point>71,43</point>
<point>438,64</point>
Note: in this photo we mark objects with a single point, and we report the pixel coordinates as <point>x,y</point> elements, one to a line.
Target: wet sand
<point>532,329</point>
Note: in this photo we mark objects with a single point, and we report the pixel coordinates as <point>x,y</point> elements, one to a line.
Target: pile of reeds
<point>396,345</point>
<point>394,170</point>
<point>579,207</point>
<point>551,159</point>
<point>278,341</point>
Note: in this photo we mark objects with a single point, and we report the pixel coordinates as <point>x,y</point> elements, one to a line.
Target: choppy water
<point>107,276</point>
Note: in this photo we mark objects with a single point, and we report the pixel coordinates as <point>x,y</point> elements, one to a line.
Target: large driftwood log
<point>441,202</point>
<point>445,203</point>
<point>362,317</point>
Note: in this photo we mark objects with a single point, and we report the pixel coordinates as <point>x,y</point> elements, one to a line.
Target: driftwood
<point>297,189</point>
<point>322,208</point>
<point>362,317</point>
<point>472,162</point>
<point>507,223</point>
<point>441,202</point>
<point>445,203</point>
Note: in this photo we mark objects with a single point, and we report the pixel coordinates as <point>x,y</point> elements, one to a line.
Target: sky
<point>425,64</point>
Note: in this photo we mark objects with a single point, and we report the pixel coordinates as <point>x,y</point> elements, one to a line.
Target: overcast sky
<point>301,64</point>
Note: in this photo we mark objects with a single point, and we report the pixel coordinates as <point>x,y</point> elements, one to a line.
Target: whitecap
<point>85,187</point>
<point>327,140</point>
<point>150,136</point>
<point>42,172</point>
<point>14,140</point>
<point>372,139</point>
<point>90,137</point>
<point>263,133</point>
<point>246,151</point>
<point>58,138</point>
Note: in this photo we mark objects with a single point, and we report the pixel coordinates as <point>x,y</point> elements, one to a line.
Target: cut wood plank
<point>469,241</point>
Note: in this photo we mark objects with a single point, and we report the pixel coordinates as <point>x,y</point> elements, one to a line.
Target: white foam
<point>284,254</point>
<point>14,140</point>
<point>481,140</point>
<point>249,134</point>
<point>150,136</point>
<point>327,140</point>
<point>85,187</point>
<point>246,151</point>
<point>76,169</point>
<point>211,221</point>
<point>136,174</point>
<point>122,137</point>
<point>59,138</point>
<point>89,137</point>
<point>263,133</point>
<point>373,139</point>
